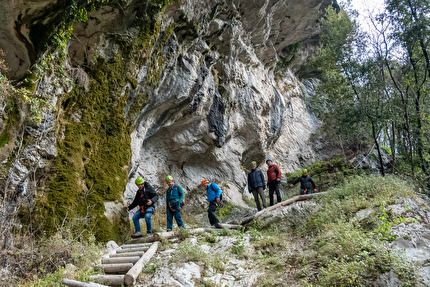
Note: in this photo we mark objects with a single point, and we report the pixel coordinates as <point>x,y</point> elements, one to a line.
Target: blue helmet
<point>268,160</point>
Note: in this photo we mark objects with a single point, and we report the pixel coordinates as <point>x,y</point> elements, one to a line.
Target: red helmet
<point>205,181</point>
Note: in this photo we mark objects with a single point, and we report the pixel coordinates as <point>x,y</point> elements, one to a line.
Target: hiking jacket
<point>256,179</point>
<point>273,173</point>
<point>142,196</point>
<point>305,182</point>
<point>213,192</point>
<point>174,194</point>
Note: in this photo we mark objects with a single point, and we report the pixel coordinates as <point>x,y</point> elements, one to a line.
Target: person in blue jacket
<point>257,185</point>
<point>174,196</point>
<point>214,195</point>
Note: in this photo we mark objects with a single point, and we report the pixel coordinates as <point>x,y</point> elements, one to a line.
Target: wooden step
<point>119,268</point>
<point>132,249</point>
<point>114,260</point>
<point>127,254</point>
<point>74,283</point>
<point>111,280</point>
<point>136,245</point>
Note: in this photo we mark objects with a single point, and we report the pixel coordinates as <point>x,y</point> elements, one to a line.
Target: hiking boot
<point>136,235</point>
<point>217,225</point>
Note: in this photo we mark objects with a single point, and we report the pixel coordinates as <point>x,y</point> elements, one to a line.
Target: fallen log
<point>114,260</point>
<point>131,276</point>
<point>74,283</point>
<point>111,280</point>
<point>248,219</point>
<point>173,234</point>
<point>229,226</point>
<point>117,268</point>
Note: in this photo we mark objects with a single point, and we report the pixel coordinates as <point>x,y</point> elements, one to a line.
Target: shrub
<point>347,255</point>
<point>43,260</point>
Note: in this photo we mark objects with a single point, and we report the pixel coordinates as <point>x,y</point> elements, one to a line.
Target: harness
<point>143,208</point>
<point>175,192</point>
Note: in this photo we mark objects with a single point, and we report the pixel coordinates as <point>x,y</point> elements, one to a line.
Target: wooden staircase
<point>121,267</point>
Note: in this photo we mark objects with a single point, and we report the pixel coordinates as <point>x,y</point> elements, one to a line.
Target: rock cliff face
<point>197,91</point>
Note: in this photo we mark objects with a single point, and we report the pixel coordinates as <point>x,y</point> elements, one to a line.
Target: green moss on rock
<point>12,119</point>
<point>93,153</point>
<point>93,144</point>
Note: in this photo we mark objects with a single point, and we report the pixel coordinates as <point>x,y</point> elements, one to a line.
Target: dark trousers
<point>211,213</point>
<point>258,191</point>
<point>178,218</point>
<point>274,187</point>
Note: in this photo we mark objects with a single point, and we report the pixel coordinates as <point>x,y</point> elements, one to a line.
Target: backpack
<point>181,204</point>
<point>220,197</point>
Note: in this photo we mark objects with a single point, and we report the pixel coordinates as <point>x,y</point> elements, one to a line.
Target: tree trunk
<point>393,144</point>
<point>381,163</point>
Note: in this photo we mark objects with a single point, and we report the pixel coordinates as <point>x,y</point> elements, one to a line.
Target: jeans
<point>211,213</point>
<point>274,187</point>
<point>258,191</point>
<point>176,213</point>
<point>147,216</point>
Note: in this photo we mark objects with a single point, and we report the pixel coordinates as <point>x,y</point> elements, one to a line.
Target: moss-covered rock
<point>93,152</point>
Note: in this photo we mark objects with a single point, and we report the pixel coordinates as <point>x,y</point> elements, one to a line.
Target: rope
<point>365,157</point>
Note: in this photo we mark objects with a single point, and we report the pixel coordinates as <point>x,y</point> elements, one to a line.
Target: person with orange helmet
<point>214,196</point>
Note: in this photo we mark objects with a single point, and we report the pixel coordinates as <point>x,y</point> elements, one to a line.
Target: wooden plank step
<point>117,268</point>
<point>127,254</point>
<point>111,280</point>
<point>74,283</point>
<point>132,249</point>
<point>136,245</point>
<point>113,260</point>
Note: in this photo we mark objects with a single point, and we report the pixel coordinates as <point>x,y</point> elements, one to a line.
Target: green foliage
<point>150,268</point>
<point>239,245</point>
<point>224,211</point>
<point>356,194</point>
<point>327,173</point>
<point>189,252</point>
<point>210,237</point>
<point>348,253</point>
<point>385,223</point>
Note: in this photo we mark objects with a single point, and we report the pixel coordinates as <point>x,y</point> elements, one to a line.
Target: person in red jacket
<point>273,180</point>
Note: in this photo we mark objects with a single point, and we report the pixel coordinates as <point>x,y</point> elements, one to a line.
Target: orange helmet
<point>205,181</point>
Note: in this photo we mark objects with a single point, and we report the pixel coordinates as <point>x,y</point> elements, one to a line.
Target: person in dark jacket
<point>273,180</point>
<point>306,183</point>
<point>257,185</point>
<point>145,198</point>
<point>213,193</point>
<point>174,197</point>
